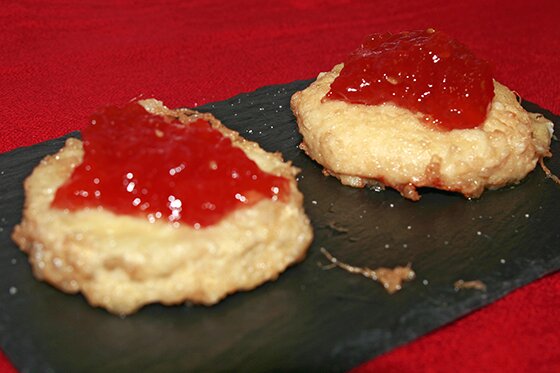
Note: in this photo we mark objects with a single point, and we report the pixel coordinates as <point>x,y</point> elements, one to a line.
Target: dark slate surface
<point>310,319</point>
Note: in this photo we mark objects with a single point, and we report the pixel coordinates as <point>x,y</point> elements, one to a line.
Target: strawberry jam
<point>137,163</point>
<point>426,72</point>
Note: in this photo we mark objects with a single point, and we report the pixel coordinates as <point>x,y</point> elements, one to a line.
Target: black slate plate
<point>311,319</point>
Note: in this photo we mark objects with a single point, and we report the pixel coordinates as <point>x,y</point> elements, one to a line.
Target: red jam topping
<point>423,71</point>
<point>137,163</point>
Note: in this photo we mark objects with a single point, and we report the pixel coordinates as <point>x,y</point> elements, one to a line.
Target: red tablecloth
<point>61,61</point>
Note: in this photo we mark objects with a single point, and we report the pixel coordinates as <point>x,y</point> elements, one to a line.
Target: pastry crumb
<point>391,278</point>
<point>475,284</point>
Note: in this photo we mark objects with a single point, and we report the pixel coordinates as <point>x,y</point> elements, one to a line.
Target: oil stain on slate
<point>310,319</point>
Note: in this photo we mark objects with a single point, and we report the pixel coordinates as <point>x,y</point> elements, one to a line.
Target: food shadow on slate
<point>311,318</point>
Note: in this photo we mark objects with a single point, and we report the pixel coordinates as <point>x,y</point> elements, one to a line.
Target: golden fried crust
<point>122,262</point>
<point>388,145</point>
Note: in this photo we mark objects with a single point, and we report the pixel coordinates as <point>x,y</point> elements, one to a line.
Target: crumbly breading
<point>390,146</point>
<point>122,262</point>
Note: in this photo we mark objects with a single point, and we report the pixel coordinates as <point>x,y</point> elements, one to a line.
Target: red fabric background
<point>61,60</point>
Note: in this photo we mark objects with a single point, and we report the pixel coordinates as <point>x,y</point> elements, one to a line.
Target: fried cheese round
<point>386,145</point>
<point>122,262</point>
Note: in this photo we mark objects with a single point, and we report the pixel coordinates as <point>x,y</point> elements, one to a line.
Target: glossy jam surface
<point>424,71</point>
<point>136,163</point>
